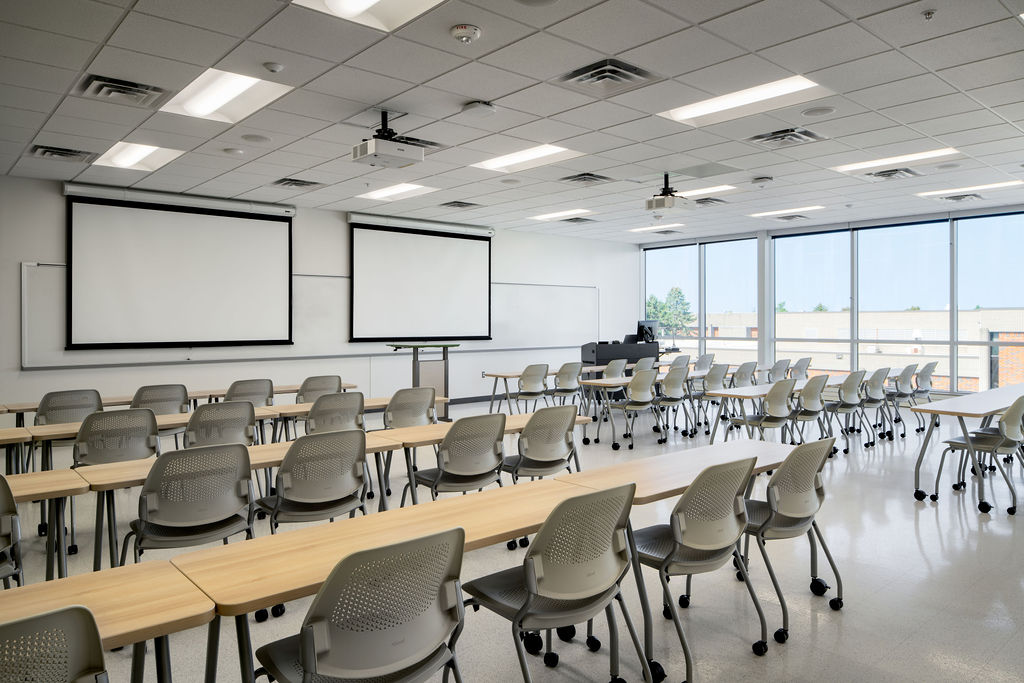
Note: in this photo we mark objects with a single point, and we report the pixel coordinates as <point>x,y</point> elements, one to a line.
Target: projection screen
<point>152,275</point>
<point>419,285</point>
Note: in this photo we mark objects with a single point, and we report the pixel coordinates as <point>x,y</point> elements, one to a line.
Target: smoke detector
<point>465,33</point>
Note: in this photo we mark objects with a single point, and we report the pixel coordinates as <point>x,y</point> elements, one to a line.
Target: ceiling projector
<point>386,149</point>
<point>666,200</point>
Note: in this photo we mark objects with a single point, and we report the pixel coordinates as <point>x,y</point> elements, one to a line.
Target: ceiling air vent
<point>577,219</point>
<point>970,197</point>
<point>789,218</point>
<point>459,205</point>
<point>606,78</point>
<point>116,91</point>
<point>788,137</point>
<point>294,182</point>
<point>62,154</point>
<point>666,232</point>
<point>892,174</point>
<point>585,178</point>
<point>709,201</point>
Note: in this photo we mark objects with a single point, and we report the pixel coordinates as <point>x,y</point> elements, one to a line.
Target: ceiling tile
<point>1013,112</point>
<point>1001,93</point>
<point>546,130</point>
<point>826,48</point>
<point>45,168</point>
<point>848,125</point>
<point>433,28</point>
<point>316,34</point>
<point>659,97</point>
<point>697,11</point>
<point>592,143</point>
<point>356,84</point>
<point>185,125</point>
<point>900,92</point>
<point>884,136</point>
<point>43,47</point>
<point>543,100</point>
<point>986,72</point>
<point>866,72</point>
<point>342,133</point>
<point>233,138</point>
<point>971,45</point>
<point>81,142</point>
<point>599,115</point>
<point>108,175</point>
<point>537,14</point>
<point>81,19</point>
<point>102,111</point>
<point>480,82</point>
<point>159,138</point>
<point>425,101</point>
<point>923,110</point>
<point>645,129</point>
<point>317,105</point>
<point>283,122</point>
<point>502,119</point>
<point>36,76</point>
<point>687,50</point>
<point>27,98</point>
<point>405,60</point>
<point>542,56</point>
<point>139,68</point>
<point>905,25</point>
<point>94,129</point>
<point>318,148</point>
<point>734,74</point>
<point>235,17</point>
<point>249,57</point>
<point>617,26</point>
<point>773,21</point>
<point>163,38</point>
<point>446,133</point>
<point>21,118</point>
<point>971,136</point>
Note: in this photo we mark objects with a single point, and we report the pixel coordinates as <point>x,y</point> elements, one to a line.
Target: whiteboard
<point>541,315</point>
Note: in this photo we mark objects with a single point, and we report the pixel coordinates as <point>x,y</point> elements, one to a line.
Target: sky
<point>899,267</point>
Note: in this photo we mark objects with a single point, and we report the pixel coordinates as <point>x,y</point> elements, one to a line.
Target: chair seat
<point>7,568</point>
<point>758,512</point>
<point>872,403</point>
<point>987,442</point>
<point>631,405</point>
<point>294,511</point>
<point>281,659</point>
<point>454,482</point>
<point>532,468</point>
<point>805,415</point>
<point>159,536</point>
<point>505,593</point>
<point>760,420</point>
<point>669,401</point>
<point>561,391</point>
<point>655,543</point>
<point>838,407</point>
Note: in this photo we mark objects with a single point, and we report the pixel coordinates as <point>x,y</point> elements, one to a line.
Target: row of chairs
<point>572,573</point>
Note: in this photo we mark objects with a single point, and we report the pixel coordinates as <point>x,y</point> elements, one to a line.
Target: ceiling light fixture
<point>705,190</point>
<point>400,191</point>
<point>895,161</point>
<point>972,188</point>
<point>131,154</point>
<point>224,96</point>
<point>347,9</point>
<point>383,15</point>
<point>221,90</point>
<point>658,227</point>
<point>559,214</point>
<point>527,158</point>
<point>782,212</point>
<point>692,112</point>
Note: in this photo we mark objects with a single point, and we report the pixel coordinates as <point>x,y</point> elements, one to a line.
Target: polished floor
<point>934,591</point>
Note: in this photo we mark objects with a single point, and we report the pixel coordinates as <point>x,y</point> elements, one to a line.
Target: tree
<point>678,316</point>
<point>820,308</point>
<point>655,309</point>
<point>913,308</point>
<point>781,307</point>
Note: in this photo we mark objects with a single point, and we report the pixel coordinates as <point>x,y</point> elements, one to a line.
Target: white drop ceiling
<point>900,83</point>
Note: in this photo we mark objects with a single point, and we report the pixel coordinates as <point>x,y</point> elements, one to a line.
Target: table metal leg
<point>60,538</point>
<point>494,392</point>
<point>245,661</point>
<point>112,529</point>
<point>979,475</point>
<point>138,662</point>
<point>918,493</point>
<point>412,476</point>
<point>163,659</point>
<point>382,504</point>
<point>743,415</point>
<point>714,427</point>
<point>645,605</point>
<point>97,550</point>
<point>508,397</point>
<point>212,649</point>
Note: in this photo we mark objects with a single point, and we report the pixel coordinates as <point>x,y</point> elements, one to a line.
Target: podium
<point>440,383</point>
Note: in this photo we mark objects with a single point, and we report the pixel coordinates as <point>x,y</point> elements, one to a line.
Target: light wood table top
<point>278,389</point>
<point>304,557</point>
<point>429,435</point>
<point>131,604</point>
<point>667,476</point>
<point>10,435</point>
<point>69,430</point>
<point>32,406</point>
<point>980,404</point>
<point>369,404</point>
<point>761,390</point>
<point>33,486</point>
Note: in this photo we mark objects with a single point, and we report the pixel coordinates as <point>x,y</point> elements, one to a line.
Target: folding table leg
<point>382,504</point>
<point>412,477</point>
<point>138,662</point>
<point>918,492</point>
<point>163,659</point>
<point>212,649</point>
<point>244,648</point>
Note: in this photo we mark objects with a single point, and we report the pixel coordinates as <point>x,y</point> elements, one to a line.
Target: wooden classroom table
<point>752,393</point>
<point>19,409</point>
<point>604,385</point>
<point>291,565</point>
<point>131,604</point>
<point>52,487</point>
<point>69,430</point>
<point>982,405</point>
<point>506,376</point>
<point>287,414</point>
<point>13,439</point>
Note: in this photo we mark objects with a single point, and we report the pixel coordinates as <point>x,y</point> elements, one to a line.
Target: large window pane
<point>812,287</point>
<point>672,295</point>
<point>981,367</point>
<point>731,289</point>
<point>826,358</point>
<point>990,298</point>
<point>903,282</point>
<point>732,351</point>
<point>897,356</point>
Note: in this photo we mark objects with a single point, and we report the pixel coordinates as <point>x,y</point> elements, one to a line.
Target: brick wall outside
<point>1011,359</point>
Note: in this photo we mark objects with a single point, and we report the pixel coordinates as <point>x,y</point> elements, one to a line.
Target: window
<point>812,288</point>
<point>672,295</point>
<point>730,289</point>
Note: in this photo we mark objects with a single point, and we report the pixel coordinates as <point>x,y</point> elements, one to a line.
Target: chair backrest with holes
<point>473,446</point>
<point>799,369</point>
<point>581,551</point>
<point>715,379</point>
<point>811,394</point>
<point>386,609</point>
<point>744,374</point>
<point>162,399</point>
<point>674,384</point>
<point>410,408</point>
<point>259,392</point>
<point>221,423</point>
<point>314,387</point>
<point>704,362</point>
<point>905,380</point>
<point>849,390</point>
<point>534,379</point>
<point>874,389</point>
<point>319,468</point>
<point>1010,421</point>
<point>196,486</point>
<point>710,514</point>
<point>568,376</point>
<point>776,401</point>
<point>795,489</point>
<point>924,378</point>
<point>10,522</point>
<point>117,436</point>
<point>645,363</point>
<point>58,407</point>
<point>58,646</point>
<point>547,436</point>
<point>336,412</point>
<point>778,370</point>
<point>641,386</point>
<point>683,360</point>
<point>615,368</point>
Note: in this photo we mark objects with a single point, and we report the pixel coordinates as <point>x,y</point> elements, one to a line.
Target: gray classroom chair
<point>571,572</point>
<point>639,397</point>
<point>410,408</point>
<point>701,537</point>
<point>56,646</point>
<point>923,390</point>
<point>903,392</point>
<point>58,407</point>
<point>683,360</point>
<point>10,537</point>
<point>113,436</point>
<point>847,406</point>
<point>674,395</point>
<point>336,412</point>
<point>546,444</point>
<point>322,476</point>
<point>390,614</point>
<point>163,399</point>
<point>799,369</point>
<point>259,392</point>
<point>192,497</point>
<point>313,388</point>
<point>567,382</point>
<point>778,370</point>
<point>221,423</point>
<point>645,363</point>
<point>533,385</point>
<point>469,458</point>
<point>714,380</point>
<point>795,494</point>
<point>704,362</point>
<point>614,368</point>
<point>810,406</point>
<point>875,399</point>
<point>775,412</point>
<point>743,376</point>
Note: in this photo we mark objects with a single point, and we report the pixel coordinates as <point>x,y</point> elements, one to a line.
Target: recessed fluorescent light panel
<point>528,158</point>
<point>972,188</point>
<point>782,212</point>
<point>717,189</point>
<point>559,214</point>
<point>760,98</point>
<point>896,161</point>
<point>666,226</point>
<point>224,96</point>
<point>396,192</point>
<point>135,157</point>
<point>385,15</point>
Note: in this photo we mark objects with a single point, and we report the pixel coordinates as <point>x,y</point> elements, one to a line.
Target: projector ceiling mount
<point>666,199</point>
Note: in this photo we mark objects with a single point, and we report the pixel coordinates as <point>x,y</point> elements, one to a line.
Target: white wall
<point>32,225</point>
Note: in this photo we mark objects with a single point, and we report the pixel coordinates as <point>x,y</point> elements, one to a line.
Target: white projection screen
<point>147,275</point>
<point>419,285</point>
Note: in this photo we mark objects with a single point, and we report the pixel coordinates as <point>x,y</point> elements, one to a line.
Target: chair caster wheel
<point>523,542</point>
<point>666,611</point>
<point>956,487</point>
<point>919,494</point>
<point>676,429</point>
<point>41,529</point>
<point>684,601</point>
<point>260,514</point>
<point>934,497</point>
<point>1011,510</point>
<point>706,432</point>
<point>593,418</point>
<point>586,441</point>
<point>846,451</point>
<point>566,633</point>
<point>991,468</point>
<point>593,644</point>
<point>781,636</point>
<point>277,610</point>
<point>597,440</point>
<point>511,545</point>
<point>261,615</point>
<point>630,446</point>
<point>657,670</point>
<point>370,494</point>
<point>73,548</point>
<point>760,648</point>
<point>858,430</point>
<point>888,435</point>
<point>834,450</point>
<point>625,435</point>
<point>818,587</point>
<point>618,679</point>
<point>739,575</point>
<point>615,446</point>
<point>984,507</point>
<point>836,604</point>
<point>533,643</point>
<point>657,429</point>
<point>551,659</point>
